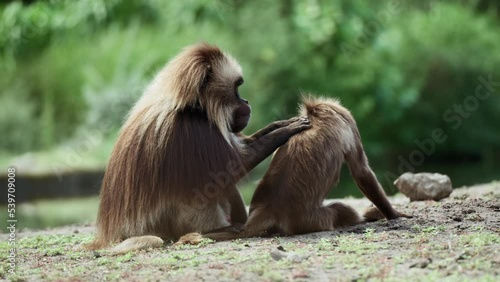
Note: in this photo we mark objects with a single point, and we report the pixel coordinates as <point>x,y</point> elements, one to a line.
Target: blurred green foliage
<point>68,66</point>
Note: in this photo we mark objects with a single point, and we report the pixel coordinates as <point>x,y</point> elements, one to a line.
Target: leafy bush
<point>398,68</point>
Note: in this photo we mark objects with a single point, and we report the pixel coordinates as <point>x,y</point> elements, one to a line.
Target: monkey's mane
<point>171,146</point>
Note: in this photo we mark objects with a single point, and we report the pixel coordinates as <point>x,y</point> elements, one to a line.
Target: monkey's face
<point>220,97</point>
<point>242,111</point>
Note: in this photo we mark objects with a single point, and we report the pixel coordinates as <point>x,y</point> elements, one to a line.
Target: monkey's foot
<point>374,214</point>
<point>137,243</point>
<point>190,238</point>
<point>400,214</point>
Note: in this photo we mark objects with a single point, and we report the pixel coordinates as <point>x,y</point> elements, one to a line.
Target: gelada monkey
<point>289,198</point>
<point>180,153</point>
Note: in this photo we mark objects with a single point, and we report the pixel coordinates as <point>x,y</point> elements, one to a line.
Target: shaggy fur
<point>289,199</point>
<point>176,162</point>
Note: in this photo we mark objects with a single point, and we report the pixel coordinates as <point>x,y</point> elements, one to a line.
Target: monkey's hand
<point>283,123</point>
<point>274,126</point>
<point>400,214</point>
<point>298,124</point>
<point>264,142</point>
<point>373,214</point>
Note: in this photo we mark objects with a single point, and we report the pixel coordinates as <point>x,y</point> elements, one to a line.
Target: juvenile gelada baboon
<point>180,153</point>
<point>289,198</point>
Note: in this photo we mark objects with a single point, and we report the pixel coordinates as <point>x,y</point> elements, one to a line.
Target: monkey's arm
<point>368,183</point>
<point>263,143</point>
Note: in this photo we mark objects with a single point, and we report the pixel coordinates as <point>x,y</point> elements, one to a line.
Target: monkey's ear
<point>191,72</point>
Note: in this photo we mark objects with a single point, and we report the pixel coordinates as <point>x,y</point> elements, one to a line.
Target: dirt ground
<point>456,239</point>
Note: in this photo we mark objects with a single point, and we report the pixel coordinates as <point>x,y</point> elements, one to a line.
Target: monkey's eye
<point>239,82</point>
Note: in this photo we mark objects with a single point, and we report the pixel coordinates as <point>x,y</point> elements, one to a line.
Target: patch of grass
<point>433,229</point>
<point>165,260</point>
<point>104,261</point>
<point>47,241</point>
<point>52,247</point>
<point>273,275</point>
<point>126,258</point>
<point>479,239</point>
<point>351,244</point>
<point>416,228</point>
<point>369,232</point>
<point>326,244</point>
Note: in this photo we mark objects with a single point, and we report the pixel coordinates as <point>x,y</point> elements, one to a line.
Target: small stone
<point>468,211</point>
<point>422,263</point>
<point>424,186</point>
<point>278,255</point>
<point>293,257</point>
<point>463,256</point>
<point>447,206</point>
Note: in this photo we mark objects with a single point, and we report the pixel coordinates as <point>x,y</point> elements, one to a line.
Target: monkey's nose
<point>244,100</point>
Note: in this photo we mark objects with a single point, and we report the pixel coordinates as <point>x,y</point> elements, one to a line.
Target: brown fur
<point>289,198</point>
<point>176,163</point>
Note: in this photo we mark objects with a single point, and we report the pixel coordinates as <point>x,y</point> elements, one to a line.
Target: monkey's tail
<point>137,243</point>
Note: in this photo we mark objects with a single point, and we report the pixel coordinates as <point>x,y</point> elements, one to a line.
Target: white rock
<point>293,257</point>
<point>424,186</point>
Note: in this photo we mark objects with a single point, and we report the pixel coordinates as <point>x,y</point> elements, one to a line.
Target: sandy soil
<point>456,239</point>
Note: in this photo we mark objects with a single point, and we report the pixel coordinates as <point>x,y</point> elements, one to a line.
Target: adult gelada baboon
<point>289,198</point>
<point>180,153</point>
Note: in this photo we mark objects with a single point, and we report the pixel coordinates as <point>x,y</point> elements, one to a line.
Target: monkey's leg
<point>238,212</point>
<point>258,149</point>
<point>324,219</point>
<point>368,184</point>
<point>343,215</point>
<point>227,229</point>
<point>258,224</point>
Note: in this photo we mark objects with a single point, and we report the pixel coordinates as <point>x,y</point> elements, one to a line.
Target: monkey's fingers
<point>304,120</point>
<point>400,214</point>
<point>290,121</point>
<point>301,123</point>
<point>283,123</point>
<point>373,214</point>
